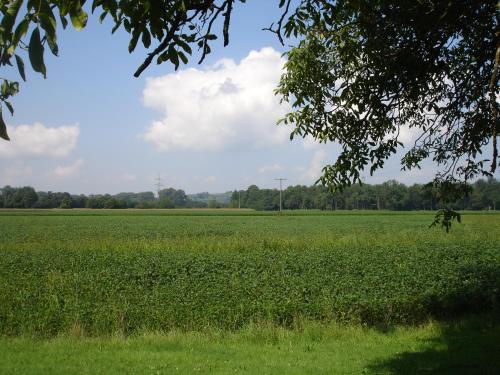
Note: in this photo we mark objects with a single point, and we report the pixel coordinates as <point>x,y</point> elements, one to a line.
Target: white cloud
<point>270,168</point>
<point>68,170</point>
<point>309,143</point>
<point>39,140</point>
<point>314,170</point>
<point>229,105</point>
<point>408,135</point>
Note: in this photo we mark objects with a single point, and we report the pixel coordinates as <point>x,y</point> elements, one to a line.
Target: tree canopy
<point>390,195</point>
<point>366,71</point>
<point>360,72</point>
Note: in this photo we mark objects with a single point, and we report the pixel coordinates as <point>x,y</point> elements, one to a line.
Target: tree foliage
<point>26,197</point>
<point>390,195</point>
<point>365,71</point>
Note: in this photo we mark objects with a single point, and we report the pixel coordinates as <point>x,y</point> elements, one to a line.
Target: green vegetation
<point>365,71</point>
<point>469,346</point>
<point>107,274</point>
<point>221,198</point>
<point>241,291</point>
<point>391,195</point>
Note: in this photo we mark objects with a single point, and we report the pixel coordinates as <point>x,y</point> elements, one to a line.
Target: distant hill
<point>222,198</point>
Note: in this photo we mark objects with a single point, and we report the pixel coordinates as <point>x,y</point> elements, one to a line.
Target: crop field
<point>93,274</point>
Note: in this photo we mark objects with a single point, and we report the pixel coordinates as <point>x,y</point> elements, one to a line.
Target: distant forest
<point>390,195</point>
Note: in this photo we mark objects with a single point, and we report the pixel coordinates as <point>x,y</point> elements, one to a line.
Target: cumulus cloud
<point>68,170</point>
<point>228,105</point>
<point>408,135</point>
<point>309,143</point>
<point>39,140</point>
<point>314,170</point>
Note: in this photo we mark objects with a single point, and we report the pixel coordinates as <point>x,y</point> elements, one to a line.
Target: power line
<point>158,185</point>
<point>281,188</point>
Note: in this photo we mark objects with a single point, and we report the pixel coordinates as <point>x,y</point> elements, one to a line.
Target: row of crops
<point>97,276</point>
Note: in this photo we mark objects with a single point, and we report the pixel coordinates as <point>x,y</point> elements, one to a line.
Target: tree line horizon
<point>390,195</point>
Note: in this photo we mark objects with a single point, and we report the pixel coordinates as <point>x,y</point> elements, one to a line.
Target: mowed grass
<point>210,291</point>
<point>468,346</point>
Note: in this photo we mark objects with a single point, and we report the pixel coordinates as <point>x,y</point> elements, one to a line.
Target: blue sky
<point>91,127</point>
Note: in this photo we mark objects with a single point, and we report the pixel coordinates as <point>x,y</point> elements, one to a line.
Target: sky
<point>91,127</point>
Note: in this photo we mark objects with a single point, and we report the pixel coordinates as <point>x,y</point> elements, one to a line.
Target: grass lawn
<point>467,346</point>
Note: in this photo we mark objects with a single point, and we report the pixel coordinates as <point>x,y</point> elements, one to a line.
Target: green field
<point>211,285</point>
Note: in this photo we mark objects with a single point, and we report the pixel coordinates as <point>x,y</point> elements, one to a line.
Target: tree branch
<point>279,26</point>
<point>494,110</point>
<point>159,49</point>
<point>227,21</point>
<point>205,49</point>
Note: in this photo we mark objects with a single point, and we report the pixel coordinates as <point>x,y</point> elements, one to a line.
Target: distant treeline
<point>390,195</point>
<point>27,197</point>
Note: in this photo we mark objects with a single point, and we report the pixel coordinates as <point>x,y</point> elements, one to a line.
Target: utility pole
<point>158,185</point>
<point>239,199</point>
<point>281,188</point>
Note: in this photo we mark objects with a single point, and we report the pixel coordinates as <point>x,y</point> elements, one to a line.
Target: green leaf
<point>183,57</point>
<point>64,8</point>
<point>36,53</point>
<point>47,18</point>
<point>14,88</point>
<point>10,16</point>
<point>115,27</point>
<point>64,21</point>
<point>20,67</point>
<point>21,31</point>
<point>184,46</point>
<point>9,88</point>
<point>10,108</point>
<point>95,4</point>
<point>126,25</point>
<point>102,17</point>
<point>162,58</point>
<point>10,50</point>
<point>146,38</point>
<point>4,89</point>
<point>173,56</point>
<point>46,24</point>
<point>133,41</point>
<point>78,16</point>
<point>3,128</point>
<point>53,46</point>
